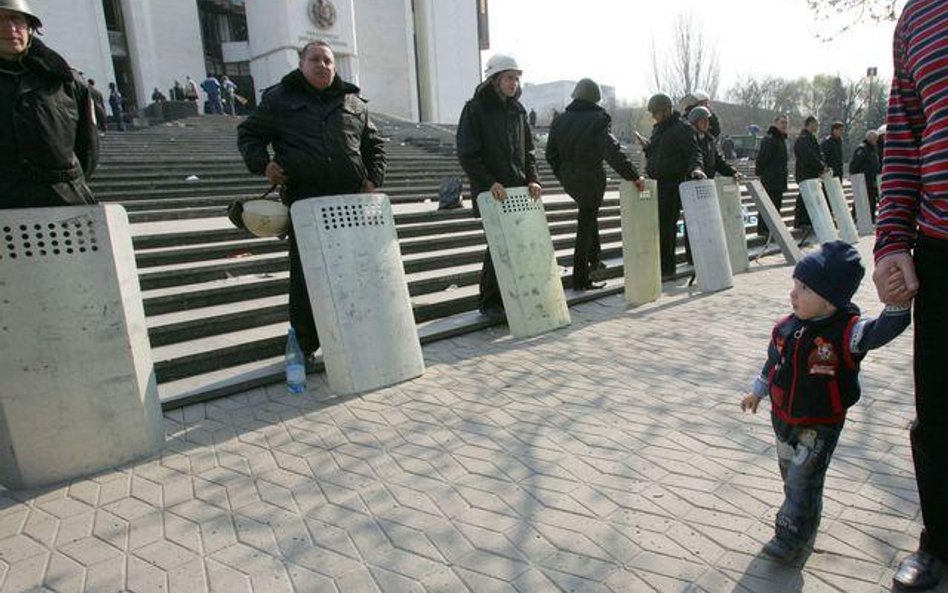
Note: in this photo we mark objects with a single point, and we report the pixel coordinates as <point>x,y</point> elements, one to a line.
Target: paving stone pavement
<point>610,456</point>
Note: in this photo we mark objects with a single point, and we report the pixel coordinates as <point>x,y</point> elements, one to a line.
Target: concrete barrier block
<point>778,230</point>
<point>640,247</point>
<point>522,253</point>
<point>864,224</point>
<point>77,384</point>
<point>357,290</point>
<point>699,200</point>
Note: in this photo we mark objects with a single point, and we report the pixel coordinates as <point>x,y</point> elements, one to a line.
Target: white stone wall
<point>76,30</point>
<point>386,60</point>
<point>448,57</point>
<point>164,40</point>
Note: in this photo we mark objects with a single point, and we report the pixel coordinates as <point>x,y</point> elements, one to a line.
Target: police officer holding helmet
<point>47,126</point>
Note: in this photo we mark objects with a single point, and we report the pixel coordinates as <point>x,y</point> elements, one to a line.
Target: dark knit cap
<point>587,90</point>
<point>834,272</point>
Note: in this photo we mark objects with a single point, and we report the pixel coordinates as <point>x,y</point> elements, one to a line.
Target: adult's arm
<point>615,156</point>
<point>471,149</point>
<point>86,146</point>
<point>529,154</point>
<point>764,156</point>
<point>254,135</point>
<point>373,152</point>
<point>552,152</point>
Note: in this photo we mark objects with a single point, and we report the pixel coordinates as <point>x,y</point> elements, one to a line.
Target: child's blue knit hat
<point>834,272</point>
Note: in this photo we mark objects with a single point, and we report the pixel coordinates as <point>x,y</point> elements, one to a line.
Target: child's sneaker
<point>781,550</point>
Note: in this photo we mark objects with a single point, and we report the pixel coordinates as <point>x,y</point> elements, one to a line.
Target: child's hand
<point>895,281</point>
<point>750,403</point>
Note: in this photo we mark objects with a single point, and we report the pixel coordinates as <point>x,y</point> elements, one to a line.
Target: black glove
<point>235,212</point>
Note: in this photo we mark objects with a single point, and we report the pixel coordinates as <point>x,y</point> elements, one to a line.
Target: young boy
<point>812,377</point>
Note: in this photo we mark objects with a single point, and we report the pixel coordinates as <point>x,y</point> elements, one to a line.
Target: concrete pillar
<point>357,289</point>
<point>817,208</point>
<point>522,253</point>
<point>640,247</point>
<point>700,202</point>
<point>732,215</point>
<point>79,392</point>
<point>844,220</point>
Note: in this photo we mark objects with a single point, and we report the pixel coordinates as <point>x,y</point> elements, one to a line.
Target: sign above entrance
<point>332,21</point>
<point>322,13</point>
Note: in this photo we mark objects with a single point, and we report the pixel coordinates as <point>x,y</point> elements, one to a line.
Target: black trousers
<point>929,434</point>
<point>301,313</point>
<point>669,210</point>
<point>489,288</point>
<point>587,249</point>
<point>775,193</point>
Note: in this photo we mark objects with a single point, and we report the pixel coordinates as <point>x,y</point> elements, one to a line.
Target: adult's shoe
<point>919,571</point>
<point>590,286</point>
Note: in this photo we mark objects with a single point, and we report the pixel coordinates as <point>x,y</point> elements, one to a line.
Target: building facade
<point>416,59</point>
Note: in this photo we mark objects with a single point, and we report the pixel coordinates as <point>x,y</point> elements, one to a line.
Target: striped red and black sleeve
<point>915,165</point>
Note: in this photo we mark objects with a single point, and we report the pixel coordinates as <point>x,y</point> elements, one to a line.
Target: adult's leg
<point>929,437</point>
<point>586,227</point>
<point>301,313</point>
<point>669,209</point>
<point>490,297</point>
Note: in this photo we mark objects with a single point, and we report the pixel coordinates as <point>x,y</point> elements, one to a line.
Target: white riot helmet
<point>266,218</point>
<point>881,129</point>
<point>500,63</point>
<point>701,96</point>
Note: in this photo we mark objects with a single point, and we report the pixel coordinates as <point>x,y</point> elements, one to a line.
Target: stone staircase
<point>215,297</point>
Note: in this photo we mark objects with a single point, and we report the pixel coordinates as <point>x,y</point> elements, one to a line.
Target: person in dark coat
<point>809,165</point>
<point>866,160</point>
<point>495,149</point>
<point>49,138</point>
<point>712,161</point>
<point>579,141</point>
<point>672,156</point>
<point>727,147</point>
<point>771,166</point>
<point>702,99</point>
<point>98,103</point>
<point>832,149</point>
<point>323,144</point>
<point>117,103</point>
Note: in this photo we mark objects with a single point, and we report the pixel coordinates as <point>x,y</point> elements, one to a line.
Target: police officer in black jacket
<point>771,165</point>
<point>47,126</point>
<point>579,140</point>
<point>673,156</point>
<point>866,160</point>
<point>495,149</point>
<point>809,165</point>
<point>323,144</point>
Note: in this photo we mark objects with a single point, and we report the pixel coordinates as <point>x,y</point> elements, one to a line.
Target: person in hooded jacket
<point>323,144</point>
<point>771,166</point>
<point>579,141</point>
<point>809,165</point>
<point>495,149</point>
<point>48,132</point>
<point>672,156</point>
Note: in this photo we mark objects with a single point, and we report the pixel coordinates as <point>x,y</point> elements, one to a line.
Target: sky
<point>610,40</point>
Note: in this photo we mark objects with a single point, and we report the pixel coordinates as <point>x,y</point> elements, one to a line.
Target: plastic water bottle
<point>295,364</point>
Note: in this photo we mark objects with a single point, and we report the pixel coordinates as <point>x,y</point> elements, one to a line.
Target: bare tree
<point>690,64</point>
<point>854,11</point>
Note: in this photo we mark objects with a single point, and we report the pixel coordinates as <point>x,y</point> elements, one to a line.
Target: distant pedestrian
<point>866,161</point>
<point>117,103</point>
<point>579,141</point>
<point>191,92</point>
<point>212,87</point>
<point>672,156</point>
<point>158,97</point>
<point>532,117</point>
<point>810,165</point>
<point>727,147</point>
<point>229,93</point>
<point>832,149</point>
<point>98,102</point>
<point>771,166</point>
<point>177,92</point>
<point>812,377</point>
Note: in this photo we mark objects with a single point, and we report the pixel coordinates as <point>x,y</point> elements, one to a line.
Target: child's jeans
<point>804,453</point>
